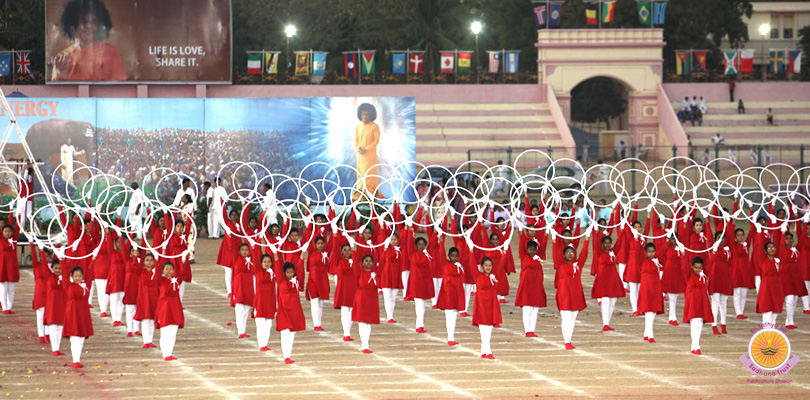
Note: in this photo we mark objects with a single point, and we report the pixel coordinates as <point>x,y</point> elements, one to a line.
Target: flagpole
<point>13,64</point>
<point>548,14</point>
<point>359,71</point>
<point>598,12</point>
<point>652,15</point>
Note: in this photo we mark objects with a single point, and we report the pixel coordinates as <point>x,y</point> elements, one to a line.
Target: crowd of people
<point>692,110</point>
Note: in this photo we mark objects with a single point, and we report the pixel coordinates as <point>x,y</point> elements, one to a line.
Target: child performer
<point>289,315</point>
<point>696,308</point>
<point>346,286</point>
<point>420,287</point>
<point>9,265</point>
<point>570,296</point>
<point>607,285</point>
<point>116,276</point>
<point>55,304</point>
<point>720,284</point>
<point>531,295</point>
<point>366,306</point>
<point>486,309</point>
<point>390,275</point>
<point>771,295</point>
<point>42,275</point>
<point>650,301</point>
<point>742,270</point>
<point>243,271</point>
<point>466,258</point>
<point>317,289</point>
<point>148,294</point>
<point>229,248</point>
<point>169,311</point>
<point>792,283</point>
<point>264,303</point>
<point>673,281</point>
<point>78,324</point>
<point>133,264</point>
<point>451,293</point>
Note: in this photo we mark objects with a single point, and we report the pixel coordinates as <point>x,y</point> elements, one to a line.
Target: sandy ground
<point>214,364</point>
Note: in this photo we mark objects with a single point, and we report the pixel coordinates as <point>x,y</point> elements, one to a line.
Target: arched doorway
<point>599,119</point>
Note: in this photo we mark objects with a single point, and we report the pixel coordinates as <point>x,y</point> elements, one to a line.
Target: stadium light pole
<point>290,31</point>
<point>764,29</point>
<point>476,29</point>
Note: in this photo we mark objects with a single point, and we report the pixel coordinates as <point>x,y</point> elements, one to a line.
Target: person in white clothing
<point>135,210</point>
<point>185,190</point>
<point>220,196</point>
<point>66,154</point>
<point>269,201</point>
<point>211,220</point>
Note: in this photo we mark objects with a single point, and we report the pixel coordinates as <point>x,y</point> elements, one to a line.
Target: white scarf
<point>248,262</point>
<point>777,261</point>
<point>373,278</point>
<point>576,268</point>
<point>492,279</point>
<point>460,268</point>
<point>702,277</point>
<point>396,250</point>
<point>174,283</point>
<point>294,282</point>
<point>427,254</point>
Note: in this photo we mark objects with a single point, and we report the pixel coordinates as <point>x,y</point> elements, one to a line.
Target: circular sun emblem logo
<point>769,349</point>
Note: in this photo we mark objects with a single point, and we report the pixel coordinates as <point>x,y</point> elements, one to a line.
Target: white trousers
<point>649,318</point>
<point>419,307</point>
<point>346,320</point>
<point>696,324</point>
<point>76,345</point>
<point>621,274</point>
<point>757,281</point>
<point>117,306</point>
<point>390,302</point>
<point>42,330</point>
<point>608,305</point>
<point>486,338</point>
<point>569,319</point>
<point>719,307</point>
<point>242,312</point>
<point>365,334</point>
<point>182,290</point>
<point>168,335</point>
<point>468,289</point>
<point>136,224</point>
<point>530,318</point>
<point>437,286</point>
<point>7,290</point>
<point>56,336</point>
<point>263,326</point>
<point>228,278</point>
<point>673,305</point>
<point>634,286</point>
<point>316,305</point>
<point>450,323</point>
<point>103,297</point>
<point>769,318</point>
<point>212,223</point>
<point>739,299</point>
<point>132,325</point>
<point>148,326</point>
<point>806,299</point>
<point>92,288</point>
<point>790,308</point>
<point>405,276</point>
<point>287,339</point>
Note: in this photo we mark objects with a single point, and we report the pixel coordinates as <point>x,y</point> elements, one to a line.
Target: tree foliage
<point>598,100</point>
<point>22,27</point>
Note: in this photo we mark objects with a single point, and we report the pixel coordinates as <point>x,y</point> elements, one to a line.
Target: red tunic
<point>77,312</point>
<point>178,244</point>
<point>289,314</point>
<point>264,303</point>
<point>347,281</point>
<point>742,271</point>
<point>649,292</point>
<point>792,282</point>
<point>673,280</point>
<point>486,309</point>
<point>169,310</point>
<point>391,271</point>
<point>242,280</point>
<point>134,265</point>
<point>56,301</point>
<point>229,248</point>
<point>696,301</point>
<point>570,295</point>
<point>366,304</point>
<point>9,265</point>
<point>116,275</point>
<point>293,255</point>
<point>318,279</point>
<point>148,294</point>
<point>101,263</point>
<point>499,267</point>
<point>771,296</point>
<point>607,282</point>
<point>420,282</point>
<point>719,272</point>
<point>451,293</point>
<point>530,290</point>
<point>635,257</point>
<point>42,274</point>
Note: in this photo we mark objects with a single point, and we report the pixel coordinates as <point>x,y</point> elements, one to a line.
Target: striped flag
<point>540,15</point>
<point>494,61</point>
<point>254,64</point>
<point>511,65</point>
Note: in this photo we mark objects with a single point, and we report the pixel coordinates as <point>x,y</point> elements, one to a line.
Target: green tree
<point>598,100</point>
<point>22,27</point>
<point>804,44</point>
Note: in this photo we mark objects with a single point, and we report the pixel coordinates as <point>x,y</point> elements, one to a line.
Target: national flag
<point>795,65</point>
<point>540,15</point>
<point>660,13</point>
<point>554,18</point>
<point>511,64</point>
<point>643,12</point>
<point>350,65</point>
<point>464,63</point>
<point>368,62</point>
<point>5,64</point>
<point>254,65</point>
<point>777,61</point>
<point>683,62</point>
<point>590,13</point>
<point>415,63</point>
<point>399,63</point>
<point>447,63</point>
<point>23,61</point>
<point>607,11</point>
<point>302,63</point>
<point>319,64</point>
<point>271,63</point>
<point>730,62</point>
<point>494,61</point>
<point>747,61</point>
<point>700,57</point>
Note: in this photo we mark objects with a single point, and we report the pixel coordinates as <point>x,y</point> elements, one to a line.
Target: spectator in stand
<point>622,150</point>
<point>754,156</point>
<point>702,105</point>
<point>586,157</point>
<point>693,105</point>
<point>697,115</point>
<point>740,107</point>
<point>706,157</point>
<point>690,148</point>
<point>732,155</point>
<point>685,104</point>
<point>766,155</point>
<point>718,140</point>
<point>604,175</point>
<point>769,116</point>
<point>731,86</point>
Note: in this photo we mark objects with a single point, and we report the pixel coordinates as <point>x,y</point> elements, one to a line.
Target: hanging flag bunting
<point>23,61</point>
<point>5,64</point>
<point>302,63</point>
<point>271,63</point>
<point>494,61</point>
<point>464,63</point>
<point>730,62</point>
<point>540,15</point>
<point>590,13</point>
<point>368,62</point>
<point>777,62</point>
<point>447,63</point>
<point>607,11</point>
<point>318,64</point>
<point>350,65</point>
<point>399,63</point>
<point>660,13</point>
<point>747,61</point>
<point>683,62</point>
<point>415,63</point>
<point>795,65</point>
<point>254,65</point>
<point>700,57</point>
<point>554,18</point>
<point>644,12</point>
<point>511,64</point>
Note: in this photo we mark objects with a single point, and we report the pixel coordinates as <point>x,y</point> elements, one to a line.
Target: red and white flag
<point>415,65</point>
<point>747,61</point>
<point>447,63</point>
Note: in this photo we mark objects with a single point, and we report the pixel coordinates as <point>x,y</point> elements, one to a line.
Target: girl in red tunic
<point>148,293</point>
<point>78,325</point>
<point>317,289</point>
<point>42,274</point>
<point>635,257</point>
<point>9,266</point>
<point>771,295</point>
<point>451,293</point>
<point>650,301</point>
<point>720,284</point>
<point>55,303</point>
<point>607,285</point>
<point>169,311</point>
<point>289,315</point>
<point>229,247</point>
<point>531,295</point>
<point>264,303</point>
<point>391,275</point>
<point>420,287</point>
<point>570,296</point>
<point>133,265</point>
<point>467,259</point>
<point>792,283</point>
<point>673,280</point>
<point>243,270</point>
<point>366,305</point>
<point>346,286</point>
<point>697,308</point>
<point>486,308</point>
<point>116,275</point>
<point>742,270</point>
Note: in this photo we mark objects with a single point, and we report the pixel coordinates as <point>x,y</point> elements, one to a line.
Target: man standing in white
<point>219,197</point>
<point>209,202</point>
<point>185,190</point>
<point>503,175</point>
<point>135,210</point>
<point>66,153</point>
<point>270,203</point>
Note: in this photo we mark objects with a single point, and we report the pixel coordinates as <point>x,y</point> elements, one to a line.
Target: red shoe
<point>117,323</point>
<point>627,290</point>
<point>715,331</point>
<point>652,340</point>
<point>10,312</point>
<point>435,307</point>
<point>244,335</point>
<point>569,346</point>
<point>646,338</point>
<point>265,348</point>
<point>607,328</point>
<point>530,334</point>
<point>319,329</point>
<point>741,316</point>
<point>451,343</point>
<point>697,352</point>
<point>791,326</point>
<point>407,299</point>
<point>379,291</point>
<point>47,338</point>
<point>42,339</point>
<point>472,294</point>
<point>392,321</point>
<point>610,329</point>
<point>55,353</point>
<point>129,334</point>
<point>170,358</point>
<point>77,365</point>
<point>673,323</point>
<point>146,345</point>
<point>483,356</point>
<point>5,311</point>
<point>348,339</point>
<point>636,314</point>
<point>497,325</point>
<point>138,333</point>
<point>502,301</point>
<point>421,330</point>
<point>366,351</point>
<point>723,329</point>
<point>599,302</point>
<point>152,346</point>
<point>103,315</point>
<point>490,357</point>
<point>91,306</point>
<point>464,314</point>
<point>288,361</point>
<point>230,295</point>
<point>806,311</point>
